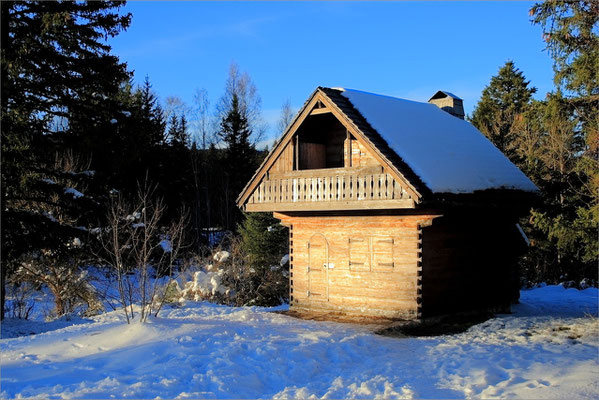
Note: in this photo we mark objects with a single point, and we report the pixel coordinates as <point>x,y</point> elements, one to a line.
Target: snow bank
<point>221,256</point>
<point>447,153</point>
<point>546,349</point>
<point>204,285</point>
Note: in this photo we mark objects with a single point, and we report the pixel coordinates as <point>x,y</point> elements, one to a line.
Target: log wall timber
<point>329,189</point>
<point>469,263</point>
<point>366,265</point>
<point>360,156</point>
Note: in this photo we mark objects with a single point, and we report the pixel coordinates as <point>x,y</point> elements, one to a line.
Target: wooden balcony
<point>365,188</point>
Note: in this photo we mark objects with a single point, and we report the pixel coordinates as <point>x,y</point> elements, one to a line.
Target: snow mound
<point>221,256</point>
<point>204,285</point>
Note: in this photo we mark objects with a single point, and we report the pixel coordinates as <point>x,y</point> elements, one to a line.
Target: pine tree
<point>502,101</point>
<point>59,80</point>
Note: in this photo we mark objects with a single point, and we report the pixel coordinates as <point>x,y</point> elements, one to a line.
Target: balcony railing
<point>329,189</point>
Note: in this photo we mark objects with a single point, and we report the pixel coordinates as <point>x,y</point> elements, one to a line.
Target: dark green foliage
<point>239,158</point>
<point>555,142</point>
<point>264,241</point>
<point>177,132</point>
<point>502,101</point>
<point>571,32</point>
<point>58,81</point>
<point>570,150</point>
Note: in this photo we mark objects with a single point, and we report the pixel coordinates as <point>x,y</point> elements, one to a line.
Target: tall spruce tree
<point>501,103</point>
<point>239,158</point>
<point>571,31</point>
<point>58,81</point>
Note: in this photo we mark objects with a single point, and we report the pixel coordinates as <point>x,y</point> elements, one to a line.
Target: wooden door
<point>318,272</point>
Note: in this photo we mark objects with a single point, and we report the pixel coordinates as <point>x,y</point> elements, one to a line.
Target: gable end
<point>403,192</point>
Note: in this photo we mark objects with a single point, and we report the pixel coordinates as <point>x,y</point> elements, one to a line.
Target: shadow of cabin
<point>395,209</point>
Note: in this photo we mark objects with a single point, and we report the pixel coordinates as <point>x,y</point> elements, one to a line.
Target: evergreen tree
<point>58,80</point>
<point>502,101</point>
<point>571,216</point>
<point>240,85</point>
<point>178,133</point>
<point>265,241</point>
<point>239,158</point>
<point>151,116</point>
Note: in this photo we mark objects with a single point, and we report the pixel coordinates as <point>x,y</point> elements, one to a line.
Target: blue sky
<point>403,49</point>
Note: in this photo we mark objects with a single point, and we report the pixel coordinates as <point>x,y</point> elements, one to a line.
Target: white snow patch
<point>547,348</point>
<point>205,284</point>
<point>221,256</point>
<point>76,194</point>
<point>166,245</point>
<point>447,153</point>
<point>49,181</point>
<point>132,217</point>
<point>284,260</point>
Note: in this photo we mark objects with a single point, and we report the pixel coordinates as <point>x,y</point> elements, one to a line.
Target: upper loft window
<point>320,142</point>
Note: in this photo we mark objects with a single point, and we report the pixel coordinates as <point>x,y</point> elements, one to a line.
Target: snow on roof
<point>448,154</point>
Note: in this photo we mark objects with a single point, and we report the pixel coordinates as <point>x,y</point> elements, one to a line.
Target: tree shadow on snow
<point>15,327</point>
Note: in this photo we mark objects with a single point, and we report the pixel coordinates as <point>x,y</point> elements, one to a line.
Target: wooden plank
<point>328,172</point>
<point>317,111</point>
<point>313,205</point>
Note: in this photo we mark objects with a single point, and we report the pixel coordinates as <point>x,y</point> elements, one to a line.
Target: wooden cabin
<point>395,208</point>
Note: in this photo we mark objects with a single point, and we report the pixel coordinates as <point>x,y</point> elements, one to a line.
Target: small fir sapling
<point>264,242</point>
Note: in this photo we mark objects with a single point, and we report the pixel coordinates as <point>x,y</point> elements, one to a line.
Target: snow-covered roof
<point>448,154</point>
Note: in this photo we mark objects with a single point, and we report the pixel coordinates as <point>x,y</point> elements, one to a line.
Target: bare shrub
<point>20,300</point>
<point>140,250</point>
<point>68,283</point>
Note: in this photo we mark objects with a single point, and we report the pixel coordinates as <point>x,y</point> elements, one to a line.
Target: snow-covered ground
<point>548,348</point>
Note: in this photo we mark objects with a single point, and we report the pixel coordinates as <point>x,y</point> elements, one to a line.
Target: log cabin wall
<point>364,265</point>
<point>360,156</point>
<point>469,264</point>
